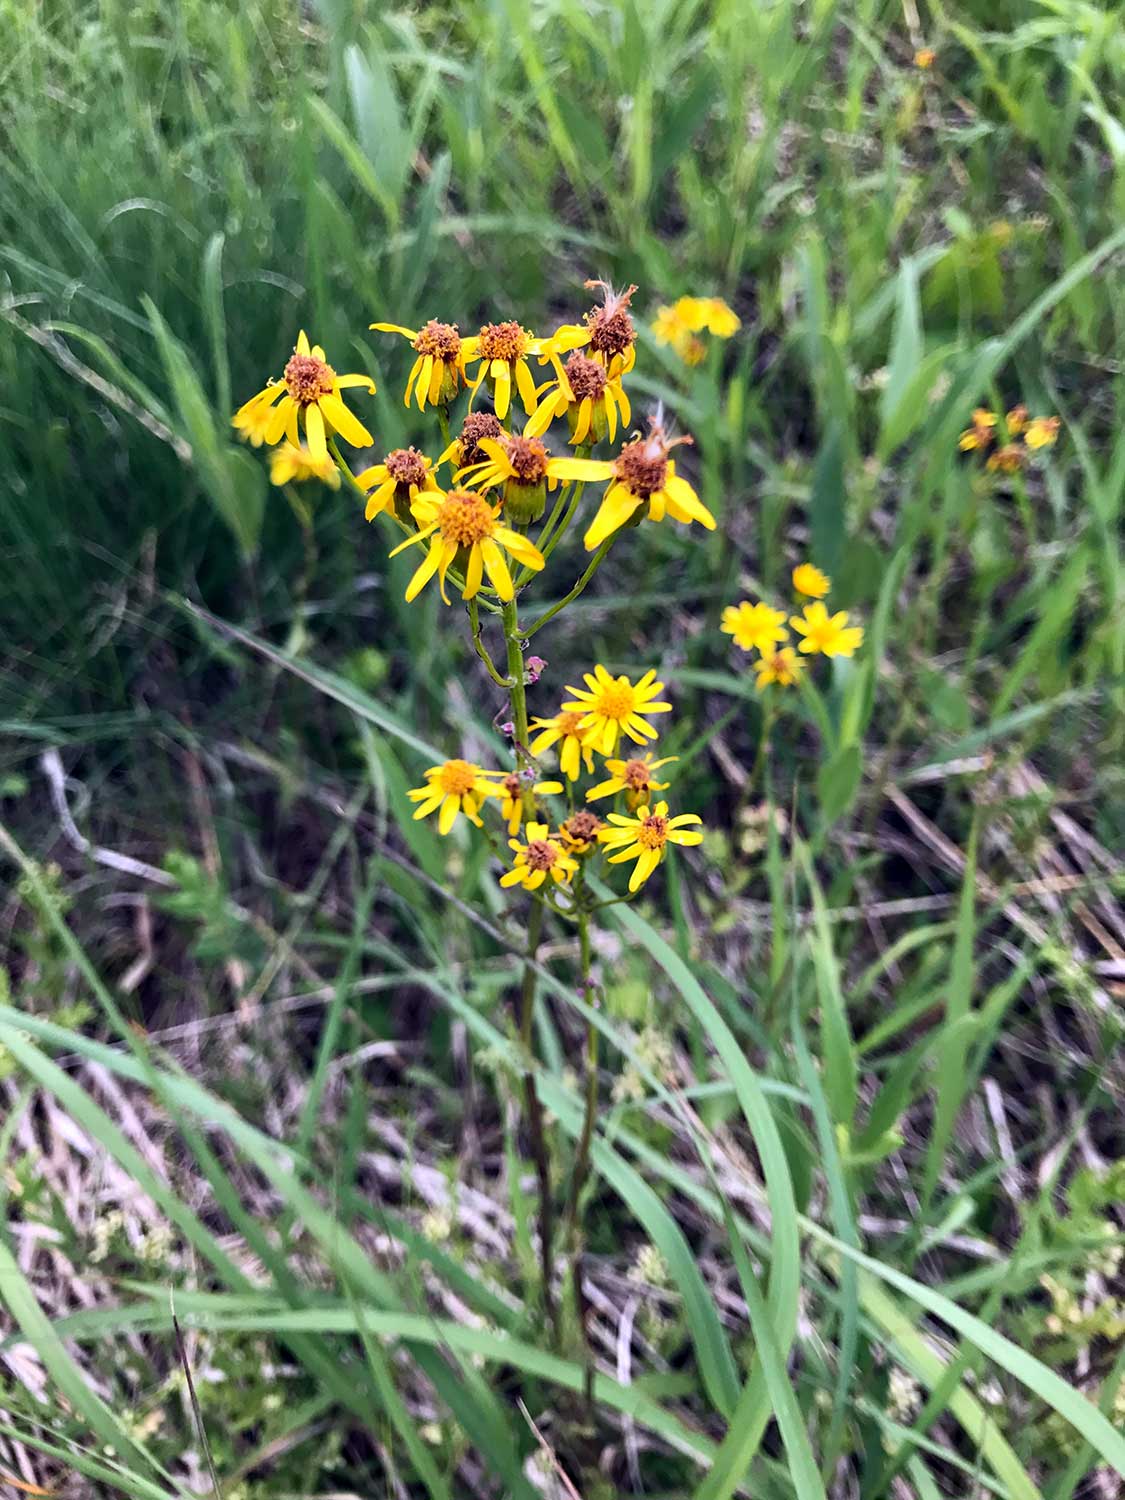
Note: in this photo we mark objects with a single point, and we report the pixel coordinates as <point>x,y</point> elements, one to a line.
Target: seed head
<point>503,341</point>
<point>308,378</point>
<point>441,340</point>
<point>527,456</point>
<point>642,465</point>
<point>541,855</point>
<point>611,327</point>
<point>586,377</point>
<point>406,466</point>
<point>477,425</point>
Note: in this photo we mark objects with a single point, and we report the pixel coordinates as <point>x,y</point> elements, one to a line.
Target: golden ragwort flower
<point>575,748</point>
<point>981,433</point>
<point>580,831</point>
<point>438,373</point>
<point>465,448</point>
<point>782,666</point>
<point>588,393</point>
<point>1042,432</point>
<point>512,788</point>
<point>634,777</point>
<point>646,838</point>
<point>309,392</point>
<point>642,473</point>
<point>607,330</point>
<point>295,465</point>
<point>611,706</point>
<point>502,350</point>
<point>755,627</point>
<point>826,634</point>
<point>397,482</point>
<point>456,786</point>
<point>462,525</point>
<point>809,580</point>
<point>924,58</point>
<point>541,856</point>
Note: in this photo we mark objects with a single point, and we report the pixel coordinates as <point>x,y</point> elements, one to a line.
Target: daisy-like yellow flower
<point>461,525</point>
<point>667,326</point>
<point>566,730</point>
<point>525,469</point>
<point>981,433</point>
<point>502,350</point>
<point>782,666</point>
<point>809,580</point>
<point>924,58</point>
<point>642,473</point>
<point>1042,432</point>
<point>646,839</point>
<point>588,393</point>
<point>608,329</point>
<point>829,635</point>
<point>633,777</point>
<point>612,706</point>
<point>465,448</point>
<point>456,786</point>
<point>289,464</point>
<point>438,373</point>
<point>253,419</point>
<point>541,856</point>
<point>1016,420</point>
<point>1008,459</point>
<point>708,313</point>
<point>397,482</point>
<point>309,392</point>
<point>755,627</point>
<point>511,792</point>
<point>579,833</point>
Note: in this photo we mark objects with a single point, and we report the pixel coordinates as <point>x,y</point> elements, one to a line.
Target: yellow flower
<point>439,370</point>
<point>579,833</point>
<point>511,797</point>
<point>397,482</point>
<point>642,473</point>
<point>608,329</point>
<point>692,350</point>
<point>1042,432</point>
<point>755,627</point>
<point>456,786</point>
<point>646,839</point>
<point>465,449</point>
<point>253,419</point>
<point>924,57</point>
<point>502,349</point>
<point>539,857</point>
<point>526,470</point>
<point>466,526</point>
<point>829,634</point>
<point>567,727</point>
<point>633,777</point>
<point>809,580</point>
<point>719,320</point>
<point>981,433</point>
<point>612,705</point>
<point>668,326</point>
<point>588,393</point>
<point>310,394</point>
<point>783,666</point>
<point>1016,420</point>
<point>297,464</point>
<point>1007,459</point>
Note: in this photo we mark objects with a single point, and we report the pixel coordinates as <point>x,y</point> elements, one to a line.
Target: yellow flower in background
<point>588,393</point>
<point>633,777</point>
<point>646,839</point>
<point>1042,432</point>
<point>565,729</point>
<point>253,420</point>
<point>825,634</point>
<point>511,790</point>
<point>681,324</point>
<point>456,786</point>
<point>1016,420</point>
<point>981,433</point>
<point>809,580</point>
<point>924,58</point>
<point>295,465</point>
<point>783,666</point>
<point>721,321</point>
<point>692,350</point>
<point>541,856</point>
<point>755,627</point>
<point>439,370</point>
<point>309,393</point>
<point>580,831</point>
<point>398,481</point>
<point>642,473</point>
<point>463,523</point>
<point>502,350</point>
<point>611,706</point>
<point>1008,459</point>
<point>608,330</point>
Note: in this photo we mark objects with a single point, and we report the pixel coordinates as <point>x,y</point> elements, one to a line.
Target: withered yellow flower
<point>981,433</point>
<point>642,473</point>
<point>608,329</point>
<point>646,839</point>
<point>462,524</point>
<point>308,395</point>
<point>580,831</point>
<point>397,482</point>
<point>511,790</point>
<point>438,373</point>
<point>588,393</point>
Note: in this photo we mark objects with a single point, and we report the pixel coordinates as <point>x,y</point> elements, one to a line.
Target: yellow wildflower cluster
<point>683,323</point>
<point>1008,455</point>
<point>759,627</point>
<point>594,720</point>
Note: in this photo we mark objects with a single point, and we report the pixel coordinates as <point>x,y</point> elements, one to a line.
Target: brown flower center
<point>642,466</point>
<point>465,518</point>
<point>477,425</point>
<point>308,378</point>
<point>503,341</point>
<point>541,855</point>
<point>653,833</point>
<point>512,785</point>
<point>457,777</point>
<point>611,327</point>
<point>586,377</point>
<point>568,722</point>
<point>528,458</point>
<point>637,775</point>
<point>406,466</point>
<point>582,826</point>
<point>440,340</point>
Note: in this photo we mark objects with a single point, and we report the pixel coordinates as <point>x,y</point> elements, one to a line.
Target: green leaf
<point>838,781</point>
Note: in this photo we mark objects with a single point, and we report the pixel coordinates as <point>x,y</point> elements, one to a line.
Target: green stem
<point>518,691</point>
<point>443,423</point>
<point>595,564</point>
<point>574,1227</point>
<point>535,1118</point>
<point>482,649</point>
<point>563,525</point>
<point>769,713</point>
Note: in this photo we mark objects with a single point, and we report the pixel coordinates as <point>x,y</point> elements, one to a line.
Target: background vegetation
<point>856,1211</point>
